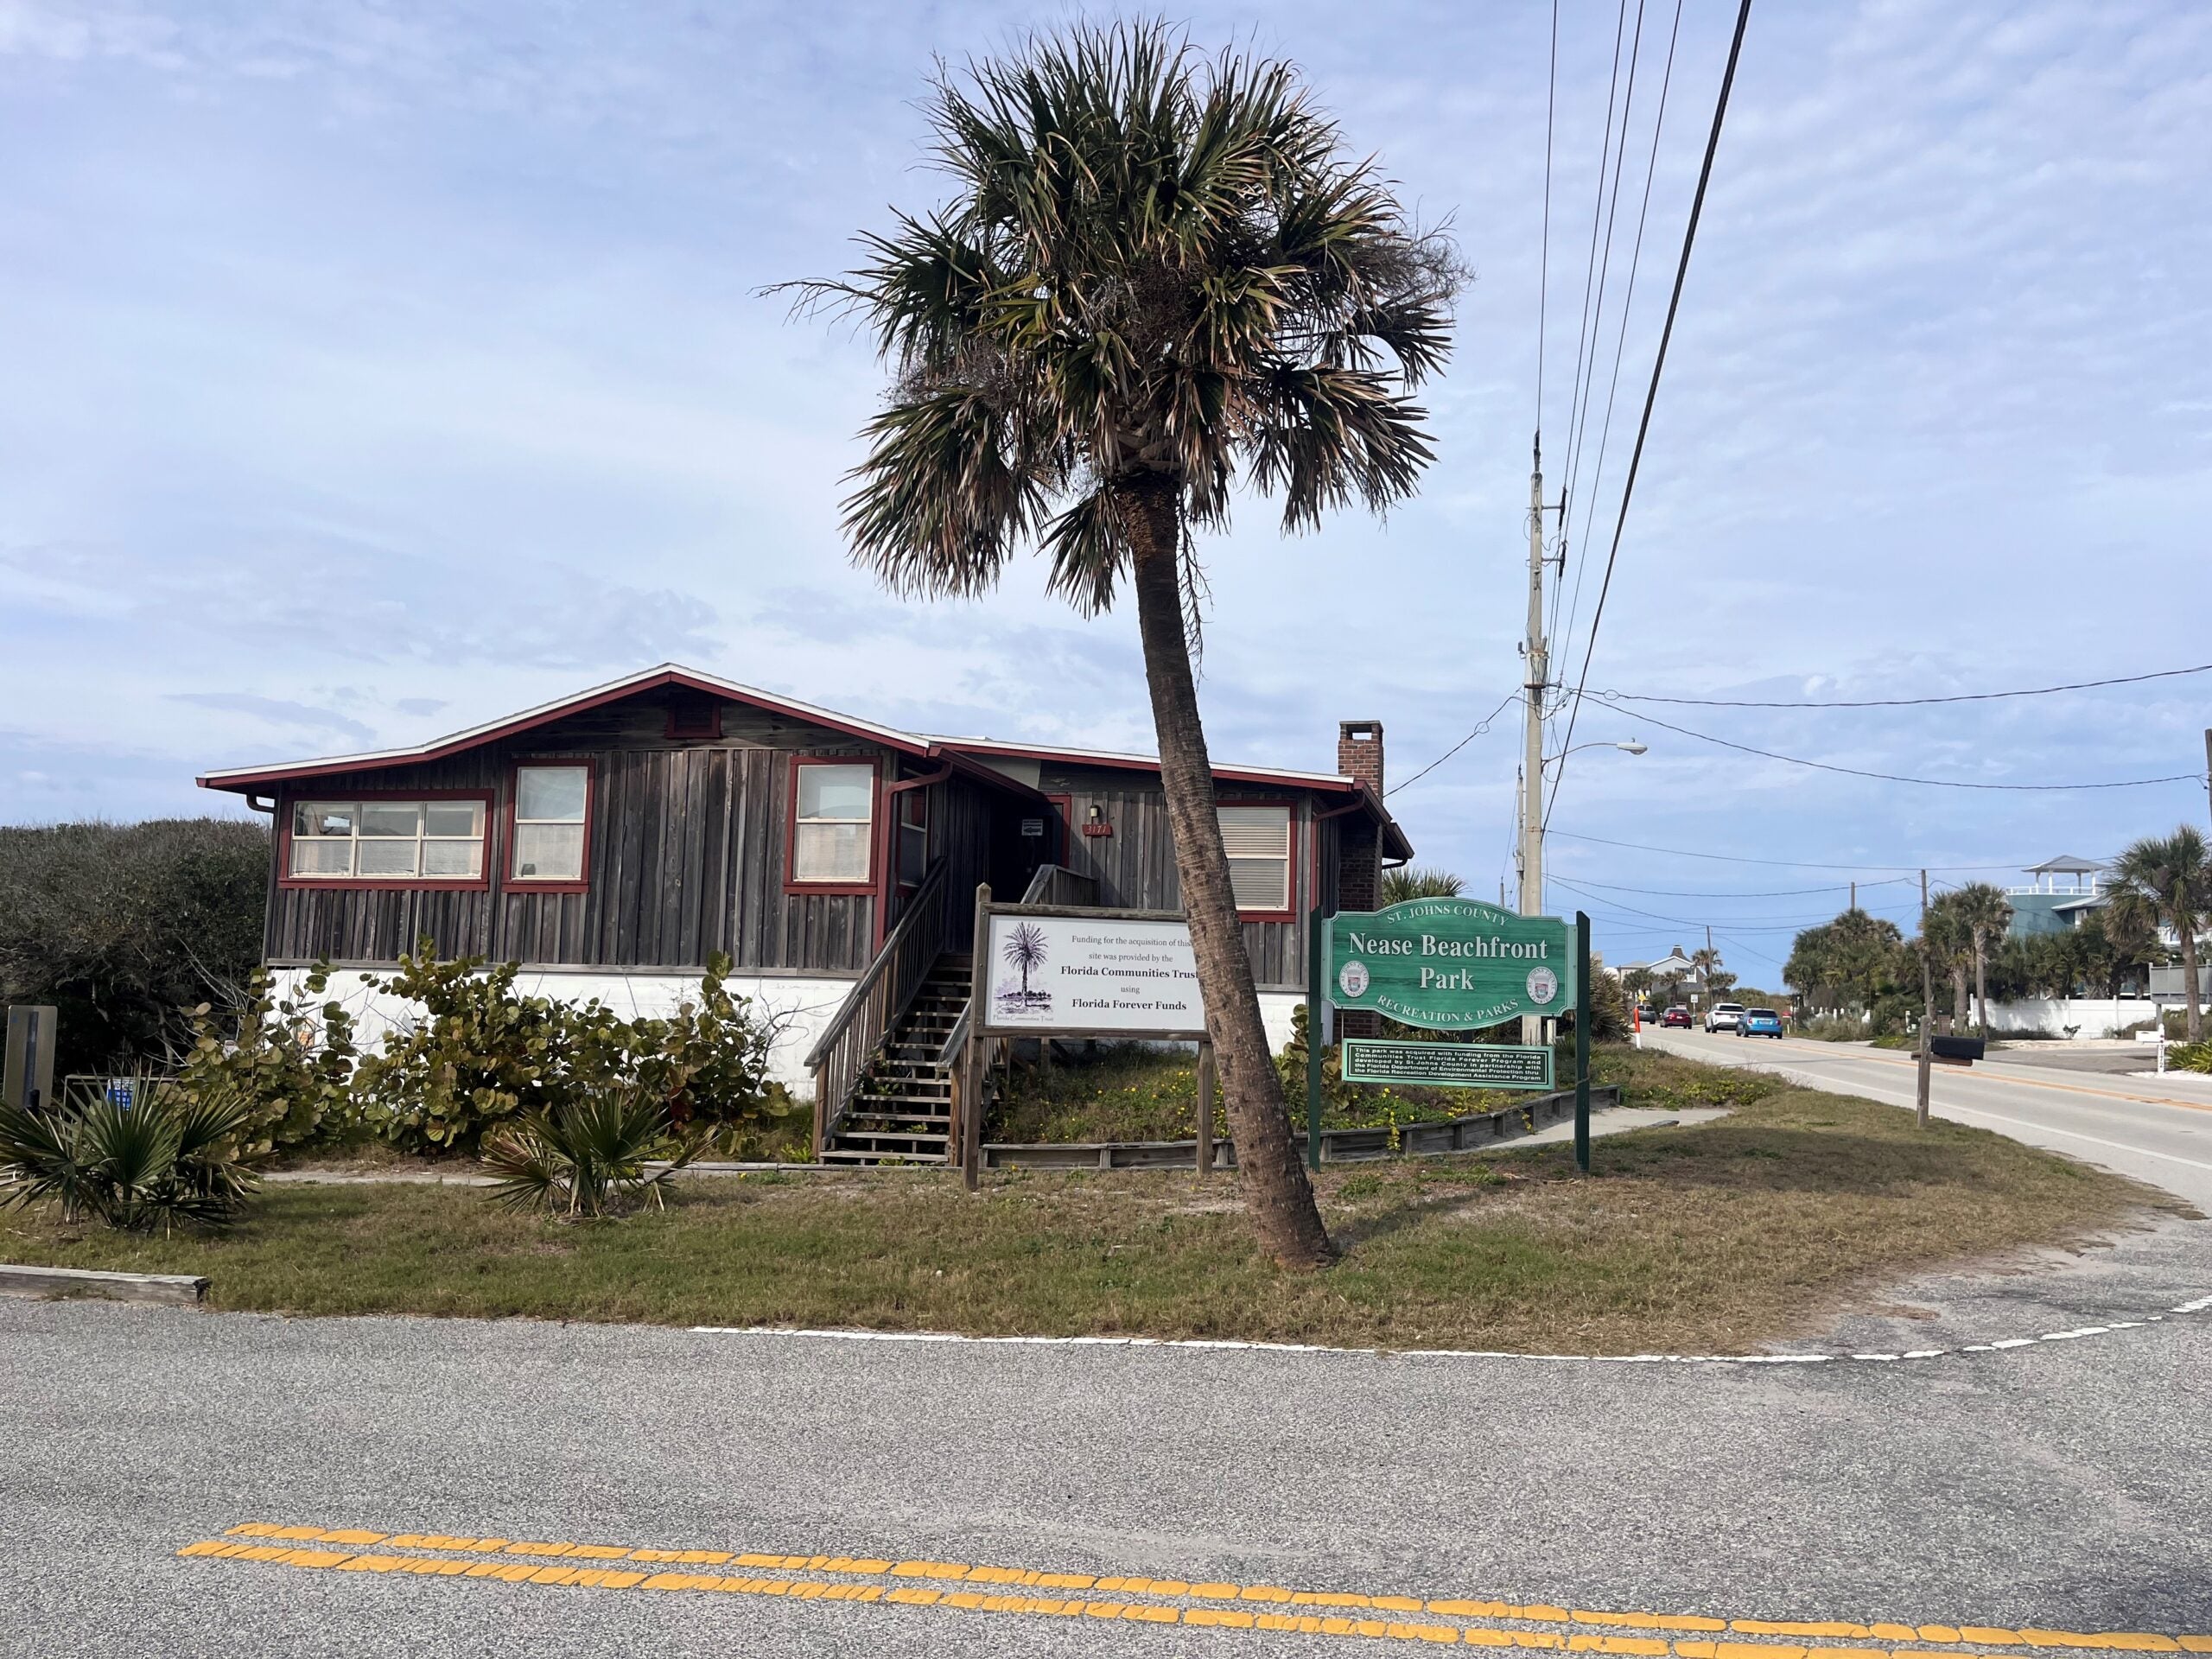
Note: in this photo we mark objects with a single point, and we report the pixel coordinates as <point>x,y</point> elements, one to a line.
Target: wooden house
<point>612,840</point>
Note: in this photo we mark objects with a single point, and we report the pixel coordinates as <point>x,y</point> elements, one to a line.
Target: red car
<point>1676,1016</point>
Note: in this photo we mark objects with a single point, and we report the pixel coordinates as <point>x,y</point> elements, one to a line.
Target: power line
<point>1930,782</point>
<point>1544,259</point>
<point>1487,721</point>
<point>1779,863</point>
<point>1651,392</point>
<point>1778,893</point>
<point>1611,202</point>
<point>1787,924</point>
<point>1628,302</point>
<point>1907,702</point>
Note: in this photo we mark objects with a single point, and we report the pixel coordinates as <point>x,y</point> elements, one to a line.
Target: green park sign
<point>1449,965</point>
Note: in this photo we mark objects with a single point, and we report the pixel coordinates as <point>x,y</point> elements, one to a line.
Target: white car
<point>1723,1016</point>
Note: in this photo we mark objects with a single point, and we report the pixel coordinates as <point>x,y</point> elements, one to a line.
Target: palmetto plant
<point>172,1154</point>
<point>612,1150</point>
<point>1158,276</point>
<point>2171,877</point>
<point>1401,885</point>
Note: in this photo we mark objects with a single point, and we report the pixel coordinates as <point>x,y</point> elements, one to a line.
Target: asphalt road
<point>2159,1129</point>
<point>1935,1505</point>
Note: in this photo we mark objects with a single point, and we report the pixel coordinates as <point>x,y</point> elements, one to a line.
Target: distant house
<point>2062,891</point>
<point>612,841</point>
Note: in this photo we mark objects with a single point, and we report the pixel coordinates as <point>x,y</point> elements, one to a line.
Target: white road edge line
<point>2198,1305</point>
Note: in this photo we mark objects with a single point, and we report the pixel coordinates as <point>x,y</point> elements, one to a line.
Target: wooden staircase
<point>901,1110</point>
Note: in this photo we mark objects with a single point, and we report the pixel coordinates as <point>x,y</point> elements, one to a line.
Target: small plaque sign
<point>1447,1066</point>
<point>1033,829</point>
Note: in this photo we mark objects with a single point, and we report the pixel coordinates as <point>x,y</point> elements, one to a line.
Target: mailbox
<point>1955,1050</point>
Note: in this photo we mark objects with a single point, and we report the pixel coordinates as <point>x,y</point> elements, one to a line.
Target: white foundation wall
<point>802,1008</point>
<point>2091,1017</point>
<point>1277,1008</point>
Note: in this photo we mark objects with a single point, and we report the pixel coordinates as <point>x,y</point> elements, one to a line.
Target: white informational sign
<point>1071,974</point>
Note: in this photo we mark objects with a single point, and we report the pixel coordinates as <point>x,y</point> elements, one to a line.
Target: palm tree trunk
<point>1981,985</point>
<point>1958,995</point>
<point>1267,1158</point>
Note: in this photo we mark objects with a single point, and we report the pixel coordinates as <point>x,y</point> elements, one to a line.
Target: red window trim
<point>899,824</point>
<point>1291,851</point>
<point>383,883</point>
<point>508,879</point>
<point>875,838</point>
<point>1062,824</point>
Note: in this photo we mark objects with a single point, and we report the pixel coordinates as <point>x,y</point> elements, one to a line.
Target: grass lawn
<point>1721,1236</point>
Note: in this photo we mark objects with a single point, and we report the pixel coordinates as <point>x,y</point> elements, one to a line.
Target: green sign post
<point>1448,964</point>
<point>1451,964</point>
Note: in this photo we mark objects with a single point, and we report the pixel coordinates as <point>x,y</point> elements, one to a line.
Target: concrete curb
<point>177,1289</point>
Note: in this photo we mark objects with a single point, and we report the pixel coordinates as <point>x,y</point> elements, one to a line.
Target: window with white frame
<point>552,807</point>
<point>835,811</point>
<point>387,841</point>
<point>1257,840</point>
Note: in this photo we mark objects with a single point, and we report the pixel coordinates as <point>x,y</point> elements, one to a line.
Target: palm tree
<point>2171,875</point>
<point>1946,937</point>
<point>1982,911</point>
<point>1025,949</point>
<point>1158,276</point>
<point>1401,885</point>
<point>1703,961</point>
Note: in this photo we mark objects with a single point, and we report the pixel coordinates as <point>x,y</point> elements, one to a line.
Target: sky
<point>371,371</point>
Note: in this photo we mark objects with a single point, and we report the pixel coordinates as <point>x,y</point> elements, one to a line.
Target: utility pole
<point>2208,764</point>
<point>1536,659</point>
<point>1926,1010</point>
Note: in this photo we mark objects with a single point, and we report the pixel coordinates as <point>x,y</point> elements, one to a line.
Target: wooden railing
<point>1056,883</point>
<point>878,1000</point>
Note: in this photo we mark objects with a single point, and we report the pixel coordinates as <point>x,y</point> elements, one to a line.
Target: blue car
<point>1759,1022</point>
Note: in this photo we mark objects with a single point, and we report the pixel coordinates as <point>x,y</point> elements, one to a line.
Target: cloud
<point>276,711</point>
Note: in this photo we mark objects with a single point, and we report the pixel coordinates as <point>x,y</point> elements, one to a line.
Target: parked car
<point>1759,1022</point>
<point>1676,1015</point>
<point>1723,1016</point>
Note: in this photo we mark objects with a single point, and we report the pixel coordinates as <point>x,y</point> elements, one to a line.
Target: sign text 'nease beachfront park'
<point>1451,964</point>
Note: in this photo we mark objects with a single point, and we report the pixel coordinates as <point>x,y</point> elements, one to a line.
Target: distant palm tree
<point>1160,278</point>
<point>1025,949</point>
<point>1983,910</point>
<point>2171,875</point>
<point>1947,936</point>
<point>1400,885</point>
<point>1703,961</point>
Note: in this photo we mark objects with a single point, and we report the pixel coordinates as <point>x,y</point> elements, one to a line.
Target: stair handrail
<point>1056,883</point>
<point>855,1033</point>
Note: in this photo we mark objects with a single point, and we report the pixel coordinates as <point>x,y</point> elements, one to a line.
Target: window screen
<point>551,807</point>
<point>387,841</point>
<point>1257,839</point>
<point>830,840</point>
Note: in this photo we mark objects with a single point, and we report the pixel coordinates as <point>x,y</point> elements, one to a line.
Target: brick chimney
<point>1359,751</point>
<point>1359,851</point>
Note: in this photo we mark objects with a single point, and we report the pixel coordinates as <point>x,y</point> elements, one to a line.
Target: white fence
<point>2073,1016</point>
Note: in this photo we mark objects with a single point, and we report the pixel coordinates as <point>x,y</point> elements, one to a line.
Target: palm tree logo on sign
<point>1024,952</point>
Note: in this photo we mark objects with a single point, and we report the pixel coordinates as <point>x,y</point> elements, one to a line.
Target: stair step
<point>847,1155</point>
<point>858,1124</point>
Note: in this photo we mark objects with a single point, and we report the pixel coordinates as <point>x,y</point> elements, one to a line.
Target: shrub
<point>482,1054</point>
<point>2188,1057</point>
<point>119,926</point>
<point>290,1061</point>
<point>589,1157</point>
<point>170,1155</point>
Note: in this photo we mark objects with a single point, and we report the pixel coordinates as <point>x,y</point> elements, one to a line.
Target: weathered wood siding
<point>687,858</point>
<point>1136,866</point>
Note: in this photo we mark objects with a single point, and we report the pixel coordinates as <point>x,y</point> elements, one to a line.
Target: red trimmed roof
<point>969,755</point>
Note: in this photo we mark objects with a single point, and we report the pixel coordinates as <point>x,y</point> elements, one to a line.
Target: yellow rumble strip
<point>959,1587</point>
